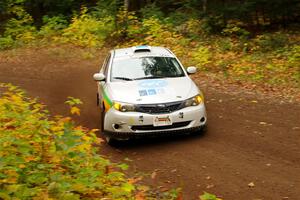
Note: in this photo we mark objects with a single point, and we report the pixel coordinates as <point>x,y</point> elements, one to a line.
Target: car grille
<point>154,128</point>
<point>159,108</point>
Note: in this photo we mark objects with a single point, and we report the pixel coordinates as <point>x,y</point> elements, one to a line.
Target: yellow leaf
<point>22,166</point>
<point>99,140</point>
<point>9,180</point>
<point>75,110</point>
<point>79,187</point>
<point>140,196</point>
<point>29,158</point>
<point>55,159</point>
<point>86,138</point>
<point>84,147</point>
<point>16,98</point>
<point>251,184</point>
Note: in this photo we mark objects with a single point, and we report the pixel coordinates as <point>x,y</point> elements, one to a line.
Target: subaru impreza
<point>146,91</point>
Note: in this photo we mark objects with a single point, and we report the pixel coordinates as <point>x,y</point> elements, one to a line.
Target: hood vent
<point>142,49</point>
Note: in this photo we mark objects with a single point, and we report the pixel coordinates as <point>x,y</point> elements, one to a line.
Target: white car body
<point>159,104</point>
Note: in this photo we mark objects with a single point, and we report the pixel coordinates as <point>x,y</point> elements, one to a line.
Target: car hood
<point>150,91</point>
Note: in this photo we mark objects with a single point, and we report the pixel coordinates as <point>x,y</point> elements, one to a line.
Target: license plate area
<point>163,120</point>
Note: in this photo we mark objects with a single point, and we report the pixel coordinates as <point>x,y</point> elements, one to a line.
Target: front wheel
<point>200,131</point>
<point>102,116</point>
<point>110,141</point>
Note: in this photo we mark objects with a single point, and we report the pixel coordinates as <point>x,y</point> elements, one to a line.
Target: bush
<point>87,31</point>
<point>43,158</point>
<point>50,158</point>
<point>235,29</point>
<point>53,26</point>
<point>201,57</point>
<point>151,10</point>
<point>153,32</point>
<point>294,55</point>
<point>294,62</point>
<point>213,24</point>
<point>270,41</point>
<point>20,28</point>
<point>191,28</point>
<point>224,44</point>
<point>6,42</point>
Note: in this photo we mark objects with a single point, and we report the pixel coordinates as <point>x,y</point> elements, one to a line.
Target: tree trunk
<point>126,5</point>
<point>204,6</point>
<point>126,9</point>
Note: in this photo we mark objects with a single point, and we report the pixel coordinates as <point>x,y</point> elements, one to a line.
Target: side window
<point>105,64</point>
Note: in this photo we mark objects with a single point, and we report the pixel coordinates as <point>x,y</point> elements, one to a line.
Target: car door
<point>102,84</point>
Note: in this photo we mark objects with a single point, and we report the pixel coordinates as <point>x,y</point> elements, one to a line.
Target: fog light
<point>116,126</point>
<point>202,119</point>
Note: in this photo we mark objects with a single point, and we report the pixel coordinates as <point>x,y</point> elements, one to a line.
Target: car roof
<point>142,51</point>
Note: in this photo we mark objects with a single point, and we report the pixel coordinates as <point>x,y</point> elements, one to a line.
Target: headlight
<point>124,107</point>
<point>194,101</point>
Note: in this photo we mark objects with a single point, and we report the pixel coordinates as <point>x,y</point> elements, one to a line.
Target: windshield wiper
<point>123,78</point>
<point>149,77</point>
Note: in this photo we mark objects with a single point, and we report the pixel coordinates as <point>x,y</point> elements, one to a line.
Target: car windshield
<point>129,69</point>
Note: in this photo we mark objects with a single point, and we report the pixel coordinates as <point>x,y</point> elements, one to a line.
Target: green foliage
<point>216,41</point>
<point>87,31</point>
<point>43,158</point>
<point>192,28</point>
<point>53,26</point>
<point>151,10</point>
<point>201,56</point>
<point>234,28</point>
<point>294,62</point>
<point>6,42</point>
<point>18,30</point>
<point>213,24</point>
<point>224,44</point>
<point>208,196</point>
<point>153,27</point>
<point>271,42</point>
<point>294,55</point>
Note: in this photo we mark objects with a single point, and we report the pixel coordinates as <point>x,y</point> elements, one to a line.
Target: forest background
<point>252,41</point>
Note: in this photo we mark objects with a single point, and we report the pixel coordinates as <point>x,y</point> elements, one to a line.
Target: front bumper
<point>125,125</point>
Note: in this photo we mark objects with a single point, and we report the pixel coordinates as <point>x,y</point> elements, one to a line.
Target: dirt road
<point>249,140</point>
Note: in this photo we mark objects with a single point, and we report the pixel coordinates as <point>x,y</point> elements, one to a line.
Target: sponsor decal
<point>143,93</point>
<point>152,92</point>
<point>152,87</point>
<point>152,84</point>
<point>107,102</point>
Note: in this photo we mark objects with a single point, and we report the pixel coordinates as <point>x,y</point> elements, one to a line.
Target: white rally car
<point>145,90</point>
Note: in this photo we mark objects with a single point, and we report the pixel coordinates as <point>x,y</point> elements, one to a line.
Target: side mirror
<point>99,77</point>
<point>191,70</point>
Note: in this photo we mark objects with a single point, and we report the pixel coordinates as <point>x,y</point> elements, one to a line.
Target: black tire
<point>97,99</point>
<point>200,131</point>
<point>109,140</point>
<point>102,116</point>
